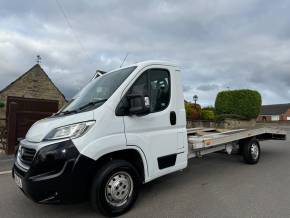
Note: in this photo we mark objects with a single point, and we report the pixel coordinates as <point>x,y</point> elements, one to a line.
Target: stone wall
<point>225,124</point>
<point>33,84</point>
<point>235,124</point>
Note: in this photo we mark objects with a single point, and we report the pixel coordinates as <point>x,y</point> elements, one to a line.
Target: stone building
<point>34,84</point>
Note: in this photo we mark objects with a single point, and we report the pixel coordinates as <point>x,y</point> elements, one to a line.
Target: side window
<point>140,87</point>
<point>159,86</point>
<point>154,83</point>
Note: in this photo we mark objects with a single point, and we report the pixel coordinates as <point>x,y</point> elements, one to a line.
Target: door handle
<point>172,118</point>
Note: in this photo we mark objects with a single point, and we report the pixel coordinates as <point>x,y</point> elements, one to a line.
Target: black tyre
<point>251,151</point>
<point>115,188</point>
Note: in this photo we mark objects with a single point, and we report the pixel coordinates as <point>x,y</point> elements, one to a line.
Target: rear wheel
<point>251,151</point>
<point>115,188</point>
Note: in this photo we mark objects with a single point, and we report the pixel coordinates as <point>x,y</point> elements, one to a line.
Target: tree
<point>1,104</point>
<point>193,111</point>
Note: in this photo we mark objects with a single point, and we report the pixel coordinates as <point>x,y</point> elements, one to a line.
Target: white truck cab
<point>126,127</point>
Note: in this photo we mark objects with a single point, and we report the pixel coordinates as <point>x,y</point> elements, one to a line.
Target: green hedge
<point>238,104</point>
<point>1,104</point>
<point>207,114</point>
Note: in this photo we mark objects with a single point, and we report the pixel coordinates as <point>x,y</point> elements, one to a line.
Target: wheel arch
<point>243,141</point>
<point>132,154</point>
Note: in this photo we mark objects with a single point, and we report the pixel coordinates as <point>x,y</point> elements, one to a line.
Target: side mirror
<point>138,104</point>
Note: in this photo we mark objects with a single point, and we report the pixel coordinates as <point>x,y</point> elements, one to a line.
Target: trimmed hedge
<point>242,104</point>
<point>1,104</point>
<point>207,114</point>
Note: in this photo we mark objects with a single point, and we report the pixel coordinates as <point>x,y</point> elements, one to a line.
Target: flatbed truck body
<point>207,140</point>
<point>124,128</point>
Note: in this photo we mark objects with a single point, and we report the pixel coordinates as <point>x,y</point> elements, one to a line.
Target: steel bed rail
<point>212,142</point>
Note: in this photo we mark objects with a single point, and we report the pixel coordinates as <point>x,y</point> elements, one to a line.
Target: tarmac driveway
<point>216,185</point>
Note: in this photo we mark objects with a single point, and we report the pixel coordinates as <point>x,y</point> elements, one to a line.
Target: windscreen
<point>98,90</point>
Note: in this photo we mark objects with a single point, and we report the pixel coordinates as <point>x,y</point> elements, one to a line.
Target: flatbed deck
<point>207,140</point>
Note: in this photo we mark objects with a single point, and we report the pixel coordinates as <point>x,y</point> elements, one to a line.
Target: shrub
<point>193,111</point>
<point>209,107</point>
<point>238,104</point>
<point>1,104</point>
<point>207,114</point>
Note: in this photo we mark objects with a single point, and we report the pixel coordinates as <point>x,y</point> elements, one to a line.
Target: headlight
<point>70,131</point>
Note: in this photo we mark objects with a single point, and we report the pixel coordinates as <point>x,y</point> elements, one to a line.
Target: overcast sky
<point>222,44</point>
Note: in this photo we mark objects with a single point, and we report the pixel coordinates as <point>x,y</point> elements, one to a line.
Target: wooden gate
<point>21,113</point>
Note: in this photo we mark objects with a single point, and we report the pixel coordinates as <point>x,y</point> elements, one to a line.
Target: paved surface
<point>215,186</point>
<point>6,162</point>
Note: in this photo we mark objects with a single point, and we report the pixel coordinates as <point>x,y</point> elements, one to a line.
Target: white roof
<point>148,63</point>
<point>154,62</point>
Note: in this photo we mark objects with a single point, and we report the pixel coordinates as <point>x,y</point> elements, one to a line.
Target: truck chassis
<point>203,141</point>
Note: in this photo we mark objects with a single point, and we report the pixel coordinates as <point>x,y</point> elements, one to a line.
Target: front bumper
<point>69,182</point>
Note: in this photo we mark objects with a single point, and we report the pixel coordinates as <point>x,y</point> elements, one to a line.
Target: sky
<point>218,44</point>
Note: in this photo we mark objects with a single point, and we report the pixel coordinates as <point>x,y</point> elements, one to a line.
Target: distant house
<point>275,112</point>
<point>33,87</point>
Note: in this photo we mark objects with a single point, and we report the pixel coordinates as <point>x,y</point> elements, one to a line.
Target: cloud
<point>218,44</point>
<point>207,87</point>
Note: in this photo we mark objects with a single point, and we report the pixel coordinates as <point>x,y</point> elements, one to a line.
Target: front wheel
<point>115,188</point>
<point>251,151</point>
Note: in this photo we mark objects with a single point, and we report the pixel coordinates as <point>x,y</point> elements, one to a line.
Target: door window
<point>159,84</point>
<point>155,84</point>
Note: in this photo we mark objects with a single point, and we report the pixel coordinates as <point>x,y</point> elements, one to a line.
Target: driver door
<point>154,132</point>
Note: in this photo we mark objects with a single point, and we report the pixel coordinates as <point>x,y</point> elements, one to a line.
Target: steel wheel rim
<point>254,149</point>
<point>119,189</point>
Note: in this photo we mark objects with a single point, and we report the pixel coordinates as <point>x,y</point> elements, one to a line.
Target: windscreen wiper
<point>92,103</point>
<point>67,112</point>
<point>81,108</point>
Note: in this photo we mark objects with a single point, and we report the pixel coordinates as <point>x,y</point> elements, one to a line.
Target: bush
<point>193,111</point>
<point>207,114</point>
<point>210,108</point>
<point>1,104</point>
<point>238,104</point>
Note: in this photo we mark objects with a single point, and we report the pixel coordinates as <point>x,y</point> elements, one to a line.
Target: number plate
<point>18,181</point>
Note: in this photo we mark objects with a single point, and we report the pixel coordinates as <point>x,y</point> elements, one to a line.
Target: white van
<point>125,128</point>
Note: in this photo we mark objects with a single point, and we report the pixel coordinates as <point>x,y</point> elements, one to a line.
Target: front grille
<point>26,155</point>
<point>19,171</point>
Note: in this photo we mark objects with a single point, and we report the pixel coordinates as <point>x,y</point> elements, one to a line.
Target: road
<point>5,162</point>
<point>217,185</point>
